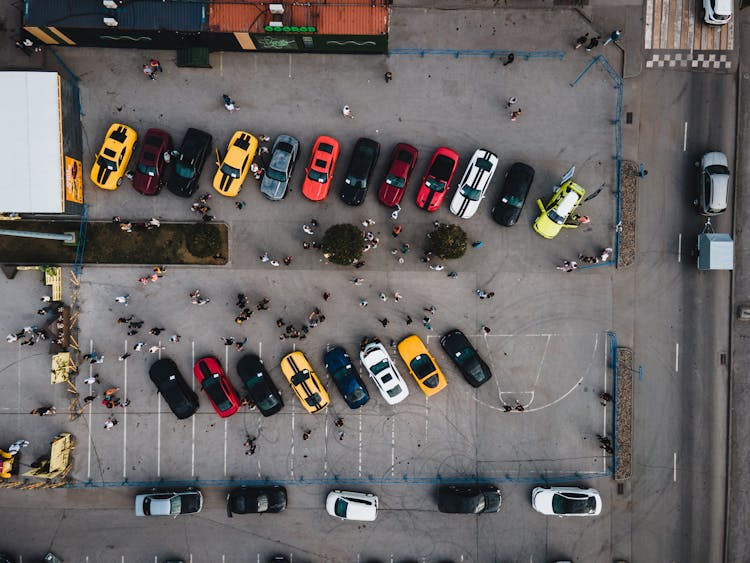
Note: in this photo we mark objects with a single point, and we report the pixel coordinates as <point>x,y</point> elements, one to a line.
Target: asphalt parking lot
<point>547,346</point>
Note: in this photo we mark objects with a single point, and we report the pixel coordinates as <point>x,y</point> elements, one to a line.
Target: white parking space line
<point>541,362</point>
<point>125,419</point>
<point>192,418</point>
<point>679,247</point>
<point>426,415</point>
<point>291,456</point>
<point>393,451</point>
<point>260,350</point>
<point>676,357</point>
<point>359,465</point>
<point>325,448</point>
<point>226,427</point>
<point>91,421</point>
<point>290,65</point>
<point>684,138</point>
<point>674,466</point>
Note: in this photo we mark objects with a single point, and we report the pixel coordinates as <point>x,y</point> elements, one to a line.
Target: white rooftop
<point>31,144</point>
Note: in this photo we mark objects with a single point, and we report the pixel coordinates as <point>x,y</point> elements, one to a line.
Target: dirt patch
<point>107,243</point>
<point>624,401</point>
<point>627,226</point>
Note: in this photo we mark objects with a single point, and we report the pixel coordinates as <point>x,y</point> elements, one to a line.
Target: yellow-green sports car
<point>112,159</point>
<point>556,213</point>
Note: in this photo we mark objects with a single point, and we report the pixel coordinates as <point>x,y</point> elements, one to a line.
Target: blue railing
<point>489,53</point>
<point>613,364</point>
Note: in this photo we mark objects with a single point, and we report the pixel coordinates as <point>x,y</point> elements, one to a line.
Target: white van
<point>352,506</point>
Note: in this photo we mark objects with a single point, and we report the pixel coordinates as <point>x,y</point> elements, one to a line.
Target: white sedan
<point>566,501</point>
<point>383,372</point>
<point>169,503</point>
<point>350,505</point>
<point>474,183</point>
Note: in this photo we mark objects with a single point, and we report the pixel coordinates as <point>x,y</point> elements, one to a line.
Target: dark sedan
<point>364,157</point>
<point>516,187</point>
<point>259,385</point>
<point>467,359</point>
<point>188,164</point>
<point>147,178</point>
<point>469,499</point>
<point>169,381</point>
<point>256,500</point>
<point>283,156</point>
<point>346,377</point>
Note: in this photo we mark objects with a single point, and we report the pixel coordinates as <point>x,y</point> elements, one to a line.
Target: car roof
<point>568,203</point>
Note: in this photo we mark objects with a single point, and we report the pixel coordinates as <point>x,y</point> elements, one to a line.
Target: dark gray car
<point>283,156</point>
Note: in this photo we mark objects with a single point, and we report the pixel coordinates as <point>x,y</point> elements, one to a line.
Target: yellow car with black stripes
<point>305,384</point>
<point>112,159</point>
<point>236,164</point>
<point>422,365</point>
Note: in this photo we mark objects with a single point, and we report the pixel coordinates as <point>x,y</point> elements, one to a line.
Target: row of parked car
<point>186,164</point>
<point>353,505</point>
<point>307,386</point>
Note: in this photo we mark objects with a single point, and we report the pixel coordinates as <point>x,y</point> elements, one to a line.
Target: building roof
<point>188,15</point>
<point>330,17</point>
<point>30,156</point>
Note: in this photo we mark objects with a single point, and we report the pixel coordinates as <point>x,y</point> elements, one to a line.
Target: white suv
<point>383,372</point>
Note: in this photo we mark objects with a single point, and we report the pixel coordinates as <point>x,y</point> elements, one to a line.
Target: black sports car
<point>364,157</point>
<point>259,385</point>
<point>469,499</point>
<point>467,359</point>
<point>254,500</point>
<point>516,187</point>
<point>170,383</point>
<point>188,164</point>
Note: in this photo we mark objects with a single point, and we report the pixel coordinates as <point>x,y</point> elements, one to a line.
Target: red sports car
<point>319,173</point>
<point>217,386</point>
<point>147,178</point>
<point>437,180</point>
<point>403,159</point>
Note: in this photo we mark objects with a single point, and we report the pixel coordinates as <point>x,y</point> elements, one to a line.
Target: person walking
<point>388,76</point>
<point>229,104</point>
<point>513,100</point>
<point>384,322</point>
<point>122,299</point>
<point>509,59</point>
<point>516,114</point>
<point>347,112</point>
<point>149,72</point>
<point>614,36</point>
<point>581,41</point>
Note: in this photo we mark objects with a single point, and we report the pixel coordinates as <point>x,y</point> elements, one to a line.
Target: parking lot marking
<point>541,362</point>
<point>676,357</point>
<point>291,457</point>
<point>260,350</point>
<point>290,65</point>
<point>125,419</point>
<point>226,426</point>
<point>426,415</point>
<point>674,465</point>
<point>359,467</point>
<point>684,138</point>
<point>91,421</point>
<point>393,451</point>
<point>192,418</point>
<point>679,247</point>
<point>158,435</point>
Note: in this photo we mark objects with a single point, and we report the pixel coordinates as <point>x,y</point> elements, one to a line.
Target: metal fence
<point>613,365</point>
<point>489,53</point>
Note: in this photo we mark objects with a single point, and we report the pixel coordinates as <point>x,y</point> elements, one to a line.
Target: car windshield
<point>267,402</point>
<point>463,356</point>
<point>356,183</point>
<point>185,170</point>
<point>553,216</point>
<point>422,366</point>
<point>106,163</point>
<point>340,508</point>
<point>570,503</point>
<point>313,400</point>
<point>230,171</point>
<point>380,366</point>
<point>512,200</point>
<point>316,176</point>
<point>394,391</point>
<point>395,181</point>
<point>277,175</point>
<point>300,376</point>
<point>434,184</point>
<point>484,164</point>
<point>356,394</point>
<point>212,386</point>
<point>471,193</point>
<point>147,170</point>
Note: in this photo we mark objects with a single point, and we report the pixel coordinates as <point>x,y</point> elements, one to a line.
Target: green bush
<point>343,244</point>
<point>448,241</point>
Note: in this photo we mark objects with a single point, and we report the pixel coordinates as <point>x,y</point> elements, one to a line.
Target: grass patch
<point>107,243</point>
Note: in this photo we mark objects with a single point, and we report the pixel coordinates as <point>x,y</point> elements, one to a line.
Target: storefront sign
<point>73,180</point>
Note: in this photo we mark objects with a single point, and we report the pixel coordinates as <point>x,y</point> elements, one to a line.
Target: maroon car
<point>150,167</point>
<point>403,159</point>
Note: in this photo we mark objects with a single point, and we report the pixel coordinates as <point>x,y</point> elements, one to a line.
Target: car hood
<point>541,500</point>
<point>272,189</point>
<point>506,215</point>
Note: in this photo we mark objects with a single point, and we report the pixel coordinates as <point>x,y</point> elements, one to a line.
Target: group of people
<point>201,207</point>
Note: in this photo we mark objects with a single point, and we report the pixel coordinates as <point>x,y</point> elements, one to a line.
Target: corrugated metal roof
<point>345,17</point>
<point>134,14</point>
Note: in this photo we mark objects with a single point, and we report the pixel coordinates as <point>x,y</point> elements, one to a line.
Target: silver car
<point>283,156</point>
<point>713,184</point>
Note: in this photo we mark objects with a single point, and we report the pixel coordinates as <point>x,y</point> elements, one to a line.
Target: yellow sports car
<point>422,365</point>
<point>112,159</point>
<point>233,170</point>
<point>555,215</point>
<point>304,382</point>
